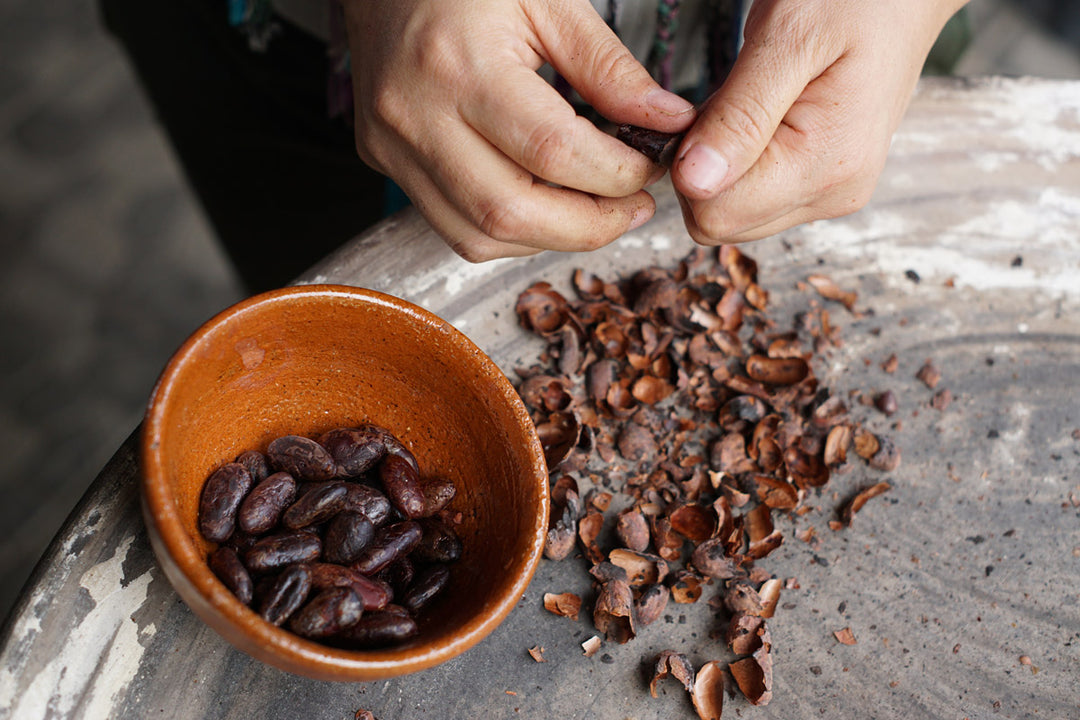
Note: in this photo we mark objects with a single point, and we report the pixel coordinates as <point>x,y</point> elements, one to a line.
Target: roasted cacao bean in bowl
<point>305,360</point>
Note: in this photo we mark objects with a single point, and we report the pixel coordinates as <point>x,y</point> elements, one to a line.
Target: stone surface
<point>969,563</point>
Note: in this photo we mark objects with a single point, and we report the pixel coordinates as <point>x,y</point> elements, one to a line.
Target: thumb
<point>585,51</point>
<point>738,122</point>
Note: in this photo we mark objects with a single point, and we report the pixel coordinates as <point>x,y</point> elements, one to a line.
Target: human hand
<point>448,103</point>
<point>801,128</point>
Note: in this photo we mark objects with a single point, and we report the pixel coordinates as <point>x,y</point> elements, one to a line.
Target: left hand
<point>801,128</point>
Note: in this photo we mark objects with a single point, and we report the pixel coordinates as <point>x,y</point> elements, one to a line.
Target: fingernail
<point>641,216</point>
<point>668,103</point>
<point>703,168</point>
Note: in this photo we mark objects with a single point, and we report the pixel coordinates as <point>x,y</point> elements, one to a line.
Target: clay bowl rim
<point>186,567</point>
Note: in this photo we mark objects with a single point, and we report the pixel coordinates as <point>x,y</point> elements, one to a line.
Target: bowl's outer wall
<point>305,360</point>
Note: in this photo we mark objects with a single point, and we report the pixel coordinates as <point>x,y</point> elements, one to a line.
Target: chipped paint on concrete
<point>77,681</point>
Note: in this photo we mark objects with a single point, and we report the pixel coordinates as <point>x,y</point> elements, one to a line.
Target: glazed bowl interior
<point>308,359</point>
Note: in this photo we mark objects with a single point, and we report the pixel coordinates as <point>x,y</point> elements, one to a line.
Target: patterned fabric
<point>256,19</point>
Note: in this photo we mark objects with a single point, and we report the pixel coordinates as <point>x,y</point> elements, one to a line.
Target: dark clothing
<point>279,179</point>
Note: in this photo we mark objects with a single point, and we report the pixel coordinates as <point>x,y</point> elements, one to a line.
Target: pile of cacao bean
<point>340,539</point>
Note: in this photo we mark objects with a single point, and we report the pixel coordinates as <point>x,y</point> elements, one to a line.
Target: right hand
<point>448,103</point>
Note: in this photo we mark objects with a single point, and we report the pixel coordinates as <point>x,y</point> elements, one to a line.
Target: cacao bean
<point>380,629</point>
<point>286,594</point>
<point>262,508</point>
<point>277,551</point>
<point>368,501</point>
<point>437,493</point>
<point>221,497</point>
<point>354,450</point>
<point>302,457</point>
<point>389,543</point>
<point>226,565</point>
<point>315,506</point>
<point>438,543</point>
<point>374,594</point>
<point>427,584</point>
<point>256,463</point>
<point>328,613</point>
<point>346,537</point>
<point>401,483</point>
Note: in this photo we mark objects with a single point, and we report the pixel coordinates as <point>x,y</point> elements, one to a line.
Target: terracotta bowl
<point>308,359</point>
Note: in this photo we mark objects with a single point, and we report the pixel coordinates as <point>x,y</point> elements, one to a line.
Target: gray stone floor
<point>107,263</point>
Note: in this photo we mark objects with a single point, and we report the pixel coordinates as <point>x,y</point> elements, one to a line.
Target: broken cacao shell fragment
<point>686,587</point>
<point>641,568</point>
<point>674,665</point>
<point>651,603</point>
<point>632,529</point>
<point>887,458</point>
<point>753,675</point>
<point>613,614</point>
<point>589,528</point>
<point>836,445</point>
<point>740,597</point>
<point>542,309</point>
<point>711,559</point>
<point>708,693</point>
<point>860,499</point>
<point>563,530</point>
<point>694,522</point>
<point>566,604</point>
<point>845,637</point>
<point>929,374</point>
<point>559,435</point>
<point>745,633</point>
<point>829,290</point>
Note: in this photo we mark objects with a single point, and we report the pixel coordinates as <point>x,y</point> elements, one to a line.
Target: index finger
<point>533,125</point>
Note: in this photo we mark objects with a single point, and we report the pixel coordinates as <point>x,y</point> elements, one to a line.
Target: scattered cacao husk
<point>708,693</point>
<point>860,499</point>
<point>566,604</point>
<point>674,665</point>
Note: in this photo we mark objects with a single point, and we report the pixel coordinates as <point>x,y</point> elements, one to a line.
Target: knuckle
<point>501,219</point>
<point>389,105</point>
<point>746,117</point>
<point>549,148</point>
<point>613,63</point>
<point>474,253</point>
